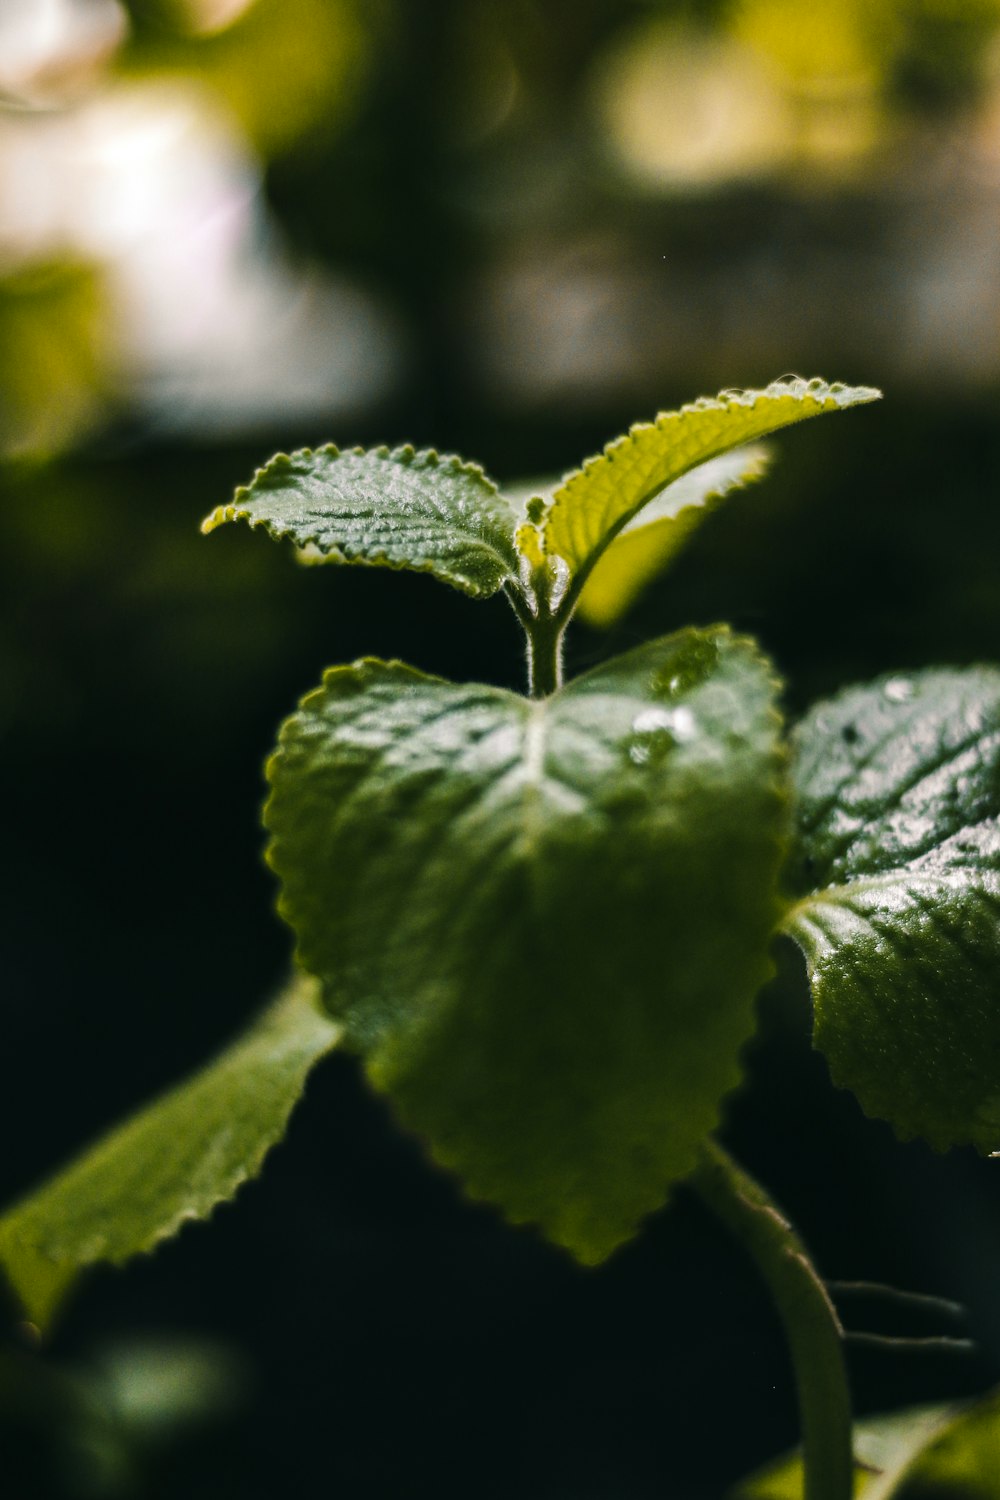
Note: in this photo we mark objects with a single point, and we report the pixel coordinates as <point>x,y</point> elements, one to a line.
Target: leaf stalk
<point>545,655</point>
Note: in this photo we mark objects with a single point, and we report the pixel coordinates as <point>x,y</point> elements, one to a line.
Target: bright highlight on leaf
<point>174,1161</point>
<point>594,504</point>
<point>397,509</point>
<point>543,923</point>
<point>898,863</point>
<point>652,539</point>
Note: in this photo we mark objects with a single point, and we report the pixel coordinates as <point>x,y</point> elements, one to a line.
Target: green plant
<point>542,921</point>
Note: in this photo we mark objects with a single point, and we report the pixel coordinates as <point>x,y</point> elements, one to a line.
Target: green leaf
<point>898,852</point>
<point>542,922</point>
<point>174,1161</point>
<point>946,1450</point>
<point>652,539</point>
<point>399,509</point>
<point>596,502</point>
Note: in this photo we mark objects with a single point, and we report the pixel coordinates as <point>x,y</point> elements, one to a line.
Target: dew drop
<point>688,669</point>
<point>898,690</point>
<point>656,731</point>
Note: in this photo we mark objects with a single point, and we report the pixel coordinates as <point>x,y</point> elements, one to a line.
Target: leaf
<point>175,1160</point>
<point>399,509</point>
<point>596,502</point>
<point>652,539</point>
<point>947,1450</point>
<point>543,922</point>
<point>898,850</point>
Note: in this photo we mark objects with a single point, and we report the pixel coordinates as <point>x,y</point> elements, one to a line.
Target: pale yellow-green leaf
<point>174,1161</point>
<point>653,538</point>
<point>596,502</point>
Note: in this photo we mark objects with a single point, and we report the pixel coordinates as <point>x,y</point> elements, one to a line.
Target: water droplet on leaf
<point>699,659</point>
<point>656,731</point>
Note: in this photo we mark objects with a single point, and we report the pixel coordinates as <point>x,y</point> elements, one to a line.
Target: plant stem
<point>813,1331</point>
<point>545,650</point>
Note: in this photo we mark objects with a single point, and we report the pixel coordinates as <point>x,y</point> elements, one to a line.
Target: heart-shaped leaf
<point>398,509</point>
<point>898,857</point>
<point>172,1162</point>
<point>543,922</point>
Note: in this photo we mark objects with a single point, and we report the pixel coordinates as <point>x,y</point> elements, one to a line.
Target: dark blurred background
<point>506,228</point>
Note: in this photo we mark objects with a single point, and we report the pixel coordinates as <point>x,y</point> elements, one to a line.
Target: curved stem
<point>813,1331</point>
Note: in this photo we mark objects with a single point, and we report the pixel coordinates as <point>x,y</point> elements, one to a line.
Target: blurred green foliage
<point>52,345</point>
<point>287,69</point>
<point>469,160</point>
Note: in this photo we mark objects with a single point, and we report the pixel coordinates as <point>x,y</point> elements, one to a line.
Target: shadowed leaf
<point>898,863</point>
<point>653,538</point>
<point>173,1161</point>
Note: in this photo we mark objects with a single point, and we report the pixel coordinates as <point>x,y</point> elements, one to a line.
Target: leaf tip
<point>835,393</point>
<point>218,517</point>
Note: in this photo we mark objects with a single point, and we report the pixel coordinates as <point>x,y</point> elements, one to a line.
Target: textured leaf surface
<point>174,1161</point>
<point>597,501</point>
<point>542,922</point>
<point>652,539</point>
<point>399,509</point>
<point>899,851</point>
<point>945,1451</point>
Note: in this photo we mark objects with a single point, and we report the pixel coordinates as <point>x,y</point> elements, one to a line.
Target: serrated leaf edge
<point>283,463</point>
<point>816,389</point>
<point>481,1190</point>
<point>73,1266</point>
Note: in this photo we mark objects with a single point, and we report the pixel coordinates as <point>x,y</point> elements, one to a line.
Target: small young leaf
<point>947,1450</point>
<point>399,509</point>
<point>176,1160</point>
<point>652,539</point>
<point>898,860</point>
<point>542,922</point>
<point>593,505</point>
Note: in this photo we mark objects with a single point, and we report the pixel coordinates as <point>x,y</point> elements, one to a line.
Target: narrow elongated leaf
<point>176,1160</point>
<point>899,864</point>
<point>653,538</point>
<point>543,923</point>
<point>949,1450</point>
<point>398,509</point>
<point>593,504</point>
